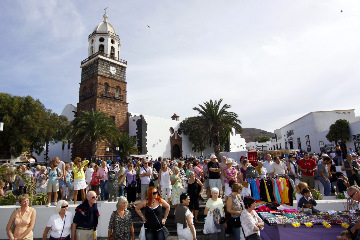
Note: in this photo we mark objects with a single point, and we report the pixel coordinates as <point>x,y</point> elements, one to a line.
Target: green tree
<point>261,139</point>
<point>94,126</point>
<point>28,125</point>
<point>339,131</point>
<point>198,139</point>
<point>216,122</point>
<point>126,144</point>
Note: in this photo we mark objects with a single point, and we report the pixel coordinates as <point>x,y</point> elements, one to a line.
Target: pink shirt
<point>197,172</point>
<point>103,172</point>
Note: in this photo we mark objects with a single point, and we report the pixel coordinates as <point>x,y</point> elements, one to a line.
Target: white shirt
<point>146,179</point>
<point>88,174</point>
<point>59,166</point>
<point>57,225</point>
<point>165,180</point>
<point>267,165</point>
<point>278,168</point>
<point>248,222</point>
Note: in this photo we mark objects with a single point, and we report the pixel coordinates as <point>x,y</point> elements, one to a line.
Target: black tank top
<point>193,189</point>
<point>152,222</point>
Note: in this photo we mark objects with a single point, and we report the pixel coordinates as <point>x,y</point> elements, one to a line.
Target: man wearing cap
<point>145,173</point>
<point>351,166</point>
<point>308,166</point>
<point>86,219</point>
<point>214,173</point>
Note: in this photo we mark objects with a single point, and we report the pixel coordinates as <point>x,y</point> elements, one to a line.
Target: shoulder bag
<point>164,229</point>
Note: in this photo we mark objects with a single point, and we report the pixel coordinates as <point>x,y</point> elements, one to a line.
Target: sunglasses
<point>145,163</point>
<point>64,206</point>
<point>154,193</point>
<point>94,197</point>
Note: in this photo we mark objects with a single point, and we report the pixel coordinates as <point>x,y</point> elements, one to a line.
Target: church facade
<point>103,88</point>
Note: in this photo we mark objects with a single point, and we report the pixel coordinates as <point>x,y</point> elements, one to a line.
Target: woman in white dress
<point>164,181</point>
<point>185,219</point>
<point>177,188</point>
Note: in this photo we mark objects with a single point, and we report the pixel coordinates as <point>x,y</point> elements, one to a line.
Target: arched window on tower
<point>112,52</point>
<point>106,89</point>
<point>101,48</point>
<point>92,50</point>
<point>117,92</point>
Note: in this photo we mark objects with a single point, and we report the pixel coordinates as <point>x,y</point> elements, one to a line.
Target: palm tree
<point>126,144</point>
<point>94,126</point>
<point>216,122</point>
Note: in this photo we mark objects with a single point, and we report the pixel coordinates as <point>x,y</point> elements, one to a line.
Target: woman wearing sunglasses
<point>59,223</point>
<point>152,218</point>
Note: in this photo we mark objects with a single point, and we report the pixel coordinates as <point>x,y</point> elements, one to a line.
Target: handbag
<point>163,228</point>
<point>112,236</point>
<point>133,183</point>
<point>235,222</point>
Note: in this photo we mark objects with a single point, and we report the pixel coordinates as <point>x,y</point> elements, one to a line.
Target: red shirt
<point>309,164</point>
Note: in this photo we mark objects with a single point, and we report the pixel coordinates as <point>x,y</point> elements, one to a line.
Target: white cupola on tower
<point>104,41</point>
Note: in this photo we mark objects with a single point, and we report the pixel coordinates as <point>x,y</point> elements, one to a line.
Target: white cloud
<point>272,61</point>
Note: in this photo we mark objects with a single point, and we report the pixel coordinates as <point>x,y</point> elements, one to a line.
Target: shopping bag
<point>142,233</point>
<point>209,226</point>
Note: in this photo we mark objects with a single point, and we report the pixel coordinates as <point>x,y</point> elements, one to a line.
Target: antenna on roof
<point>105,9</point>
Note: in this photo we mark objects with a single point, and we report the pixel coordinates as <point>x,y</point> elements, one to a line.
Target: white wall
<point>158,137</point>
<point>316,125</point>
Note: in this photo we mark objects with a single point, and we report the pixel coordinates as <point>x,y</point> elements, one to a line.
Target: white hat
<point>213,156</point>
<point>234,164</point>
<point>229,160</point>
<point>324,155</point>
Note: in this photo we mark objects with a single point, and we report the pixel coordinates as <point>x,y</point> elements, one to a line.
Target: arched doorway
<point>176,144</point>
<point>176,151</point>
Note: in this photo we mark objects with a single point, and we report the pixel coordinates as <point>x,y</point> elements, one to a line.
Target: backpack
<point>251,172</point>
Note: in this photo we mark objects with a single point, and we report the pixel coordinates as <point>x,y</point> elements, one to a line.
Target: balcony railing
<point>110,95</point>
<point>104,55</point>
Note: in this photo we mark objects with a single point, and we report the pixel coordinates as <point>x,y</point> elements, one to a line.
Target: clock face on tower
<point>112,70</point>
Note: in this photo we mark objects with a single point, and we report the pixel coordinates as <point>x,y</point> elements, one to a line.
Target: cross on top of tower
<point>105,15</point>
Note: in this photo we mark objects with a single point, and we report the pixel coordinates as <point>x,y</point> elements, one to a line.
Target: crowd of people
<point>162,183</point>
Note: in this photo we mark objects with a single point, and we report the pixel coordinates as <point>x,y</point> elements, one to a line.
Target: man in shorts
<point>214,173</point>
<point>145,173</point>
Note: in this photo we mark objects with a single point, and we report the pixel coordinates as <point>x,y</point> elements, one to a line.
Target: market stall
<point>294,225</point>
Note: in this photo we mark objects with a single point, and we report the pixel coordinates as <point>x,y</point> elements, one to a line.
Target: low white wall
<point>43,214</point>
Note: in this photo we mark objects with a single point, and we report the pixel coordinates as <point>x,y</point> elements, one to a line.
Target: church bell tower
<point>103,83</point>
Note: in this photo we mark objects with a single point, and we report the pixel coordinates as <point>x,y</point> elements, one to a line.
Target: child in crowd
<point>307,201</point>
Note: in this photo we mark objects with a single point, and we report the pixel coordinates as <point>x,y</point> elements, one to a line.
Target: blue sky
<point>272,61</point>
